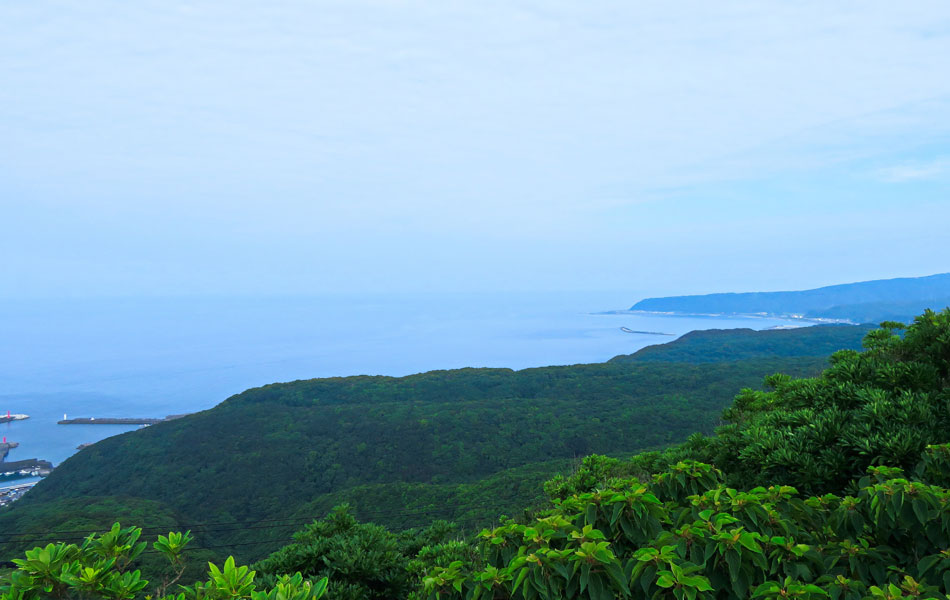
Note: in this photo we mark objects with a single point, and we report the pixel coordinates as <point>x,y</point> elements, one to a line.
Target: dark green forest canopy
<point>466,444</point>
<point>867,438</point>
<point>881,406</point>
<point>715,345</point>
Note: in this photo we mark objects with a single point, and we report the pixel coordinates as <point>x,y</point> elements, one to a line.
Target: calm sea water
<point>154,357</point>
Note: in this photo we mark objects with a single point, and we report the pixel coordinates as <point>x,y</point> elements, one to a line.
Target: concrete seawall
<point>116,420</point>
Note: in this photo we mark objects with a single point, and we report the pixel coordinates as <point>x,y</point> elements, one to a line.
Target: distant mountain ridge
<point>897,299</point>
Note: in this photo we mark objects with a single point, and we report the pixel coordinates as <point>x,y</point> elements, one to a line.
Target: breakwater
<point>31,467</point>
<point>5,448</point>
<point>115,420</point>
<point>628,330</point>
<point>108,421</point>
<point>7,418</point>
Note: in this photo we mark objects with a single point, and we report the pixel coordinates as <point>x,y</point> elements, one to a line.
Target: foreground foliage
<point>364,561</point>
<point>694,531</point>
<point>884,405</point>
<point>685,535</point>
<point>100,567</point>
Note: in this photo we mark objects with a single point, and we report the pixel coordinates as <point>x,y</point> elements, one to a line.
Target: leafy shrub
<point>364,561</point>
<point>884,405</point>
<point>686,535</point>
<point>100,567</point>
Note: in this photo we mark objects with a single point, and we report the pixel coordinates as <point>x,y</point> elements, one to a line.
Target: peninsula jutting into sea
<point>874,301</point>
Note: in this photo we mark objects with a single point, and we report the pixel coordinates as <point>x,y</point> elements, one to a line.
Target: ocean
<point>152,357</point>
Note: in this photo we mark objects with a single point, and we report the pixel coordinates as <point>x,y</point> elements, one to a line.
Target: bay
<point>151,357</point>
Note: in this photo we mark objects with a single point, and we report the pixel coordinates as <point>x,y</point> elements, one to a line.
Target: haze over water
<point>156,149</point>
<point>154,357</point>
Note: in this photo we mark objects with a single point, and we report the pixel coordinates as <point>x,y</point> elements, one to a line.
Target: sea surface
<point>151,357</point>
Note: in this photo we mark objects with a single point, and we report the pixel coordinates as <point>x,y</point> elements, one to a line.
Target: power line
<point>56,537</point>
<point>199,528</point>
<point>50,538</point>
<point>285,522</point>
<point>225,545</point>
<point>259,542</point>
<point>152,530</point>
<point>255,543</point>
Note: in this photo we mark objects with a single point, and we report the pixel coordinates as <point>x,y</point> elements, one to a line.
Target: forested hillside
<point>715,345</point>
<point>829,487</point>
<point>867,440</point>
<point>467,444</point>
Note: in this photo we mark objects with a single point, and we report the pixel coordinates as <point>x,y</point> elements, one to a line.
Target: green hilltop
<point>720,345</point>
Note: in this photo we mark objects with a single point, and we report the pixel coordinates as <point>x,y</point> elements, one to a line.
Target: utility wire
<point>150,530</point>
<point>268,541</point>
<point>257,543</point>
<point>202,527</point>
<point>56,536</point>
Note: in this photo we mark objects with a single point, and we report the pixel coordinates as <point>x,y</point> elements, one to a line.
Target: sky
<point>291,147</point>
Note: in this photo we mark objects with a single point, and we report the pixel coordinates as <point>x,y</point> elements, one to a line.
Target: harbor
<point>27,468</point>
<point>18,469</point>
<point>12,493</point>
<point>31,467</point>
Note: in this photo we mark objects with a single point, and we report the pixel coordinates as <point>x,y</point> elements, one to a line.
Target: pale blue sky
<point>168,147</point>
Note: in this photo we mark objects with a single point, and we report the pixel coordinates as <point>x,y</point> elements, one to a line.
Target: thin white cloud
<point>246,135</point>
<point>938,168</point>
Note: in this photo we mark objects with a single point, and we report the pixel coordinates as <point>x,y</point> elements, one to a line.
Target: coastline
<point>538,330</point>
<point>798,318</point>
